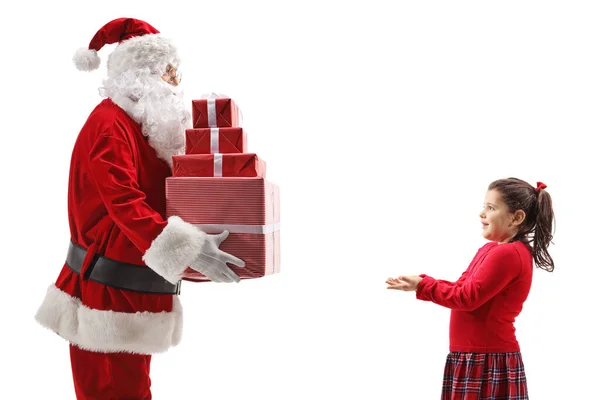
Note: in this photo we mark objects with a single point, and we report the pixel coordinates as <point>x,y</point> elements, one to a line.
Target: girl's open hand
<point>405,283</point>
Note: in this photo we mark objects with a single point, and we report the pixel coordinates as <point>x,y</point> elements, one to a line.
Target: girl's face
<point>499,225</point>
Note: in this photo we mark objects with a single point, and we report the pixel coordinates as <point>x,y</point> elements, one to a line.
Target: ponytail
<point>542,232</point>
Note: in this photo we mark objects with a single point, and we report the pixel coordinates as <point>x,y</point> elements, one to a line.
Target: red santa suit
<point>116,208</point>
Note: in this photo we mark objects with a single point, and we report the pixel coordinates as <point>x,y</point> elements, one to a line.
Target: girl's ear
<point>519,217</point>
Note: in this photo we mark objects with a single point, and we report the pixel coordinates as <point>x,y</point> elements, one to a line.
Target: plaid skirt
<point>484,376</point>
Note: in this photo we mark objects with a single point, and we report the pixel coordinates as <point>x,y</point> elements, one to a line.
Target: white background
<point>383,127</point>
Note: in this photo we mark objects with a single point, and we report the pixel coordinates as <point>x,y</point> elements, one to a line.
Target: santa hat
<point>140,46</point>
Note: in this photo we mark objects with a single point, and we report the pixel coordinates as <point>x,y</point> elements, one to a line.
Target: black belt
<point>120,275</point>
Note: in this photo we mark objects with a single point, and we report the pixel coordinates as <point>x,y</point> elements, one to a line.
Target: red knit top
<point>486,299</point>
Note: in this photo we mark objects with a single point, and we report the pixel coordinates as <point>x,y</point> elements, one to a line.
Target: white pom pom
<point>86,59</point>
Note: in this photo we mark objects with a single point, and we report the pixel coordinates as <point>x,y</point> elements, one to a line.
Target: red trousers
<point>110,376</point>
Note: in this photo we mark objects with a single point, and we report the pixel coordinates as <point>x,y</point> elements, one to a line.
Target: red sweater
<point>486,299</point>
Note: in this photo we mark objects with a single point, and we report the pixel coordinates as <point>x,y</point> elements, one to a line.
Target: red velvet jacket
<point>116,204</point>
<point>486,299</point>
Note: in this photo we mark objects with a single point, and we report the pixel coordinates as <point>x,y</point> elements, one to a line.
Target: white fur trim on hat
<point>110,331</point>
<point>150,51</point>
<point>86,59</point>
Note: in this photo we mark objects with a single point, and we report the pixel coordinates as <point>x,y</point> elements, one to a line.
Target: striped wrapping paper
<point>247,207</point>
<point>215,140</point>
<point>219,112</point>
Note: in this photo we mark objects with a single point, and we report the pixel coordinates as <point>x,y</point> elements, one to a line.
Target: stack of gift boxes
<point>218,185</point>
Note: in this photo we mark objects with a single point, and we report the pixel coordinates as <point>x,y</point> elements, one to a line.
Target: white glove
<point>212,261</point>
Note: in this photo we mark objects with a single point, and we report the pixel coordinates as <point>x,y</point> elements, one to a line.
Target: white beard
<point>154,104</point>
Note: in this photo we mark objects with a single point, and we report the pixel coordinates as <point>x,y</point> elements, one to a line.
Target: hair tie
<point>540,186</point>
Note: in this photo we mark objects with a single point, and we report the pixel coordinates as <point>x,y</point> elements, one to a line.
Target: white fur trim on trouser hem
<point>177,246</point>
<point>110,331</point>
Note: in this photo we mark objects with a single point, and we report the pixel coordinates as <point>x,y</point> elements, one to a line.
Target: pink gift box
<point>247,207</point>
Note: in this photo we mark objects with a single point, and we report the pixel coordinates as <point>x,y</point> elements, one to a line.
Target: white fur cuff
<point>174,249</point>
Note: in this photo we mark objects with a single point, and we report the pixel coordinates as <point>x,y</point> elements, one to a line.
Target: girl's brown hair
<point>537,227</point>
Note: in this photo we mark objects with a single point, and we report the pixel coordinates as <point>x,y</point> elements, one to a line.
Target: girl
<point>485,360</point>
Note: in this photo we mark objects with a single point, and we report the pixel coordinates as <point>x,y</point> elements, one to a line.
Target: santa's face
<point>156,103</point>
<point>172,76</point>
<point>165,118</point>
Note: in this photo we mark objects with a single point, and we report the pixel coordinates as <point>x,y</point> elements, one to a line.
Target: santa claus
<point>116,298</point>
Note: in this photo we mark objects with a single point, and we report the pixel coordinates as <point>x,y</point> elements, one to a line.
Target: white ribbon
<point>213,229</point>
<point>218,164</point>
<point>213,95</point>
<point>212,109</point>
<point>214,140</point>
<point>212,112</point>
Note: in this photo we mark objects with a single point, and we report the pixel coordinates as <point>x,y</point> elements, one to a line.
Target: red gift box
<point>219,165</point>
<point>215,112</point>
<point>215,140</point>
<point>246,207</point>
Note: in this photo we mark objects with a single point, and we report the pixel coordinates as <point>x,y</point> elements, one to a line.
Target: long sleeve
<point>112,165</point>
<point>500,266</point>
<point>168,246</point>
